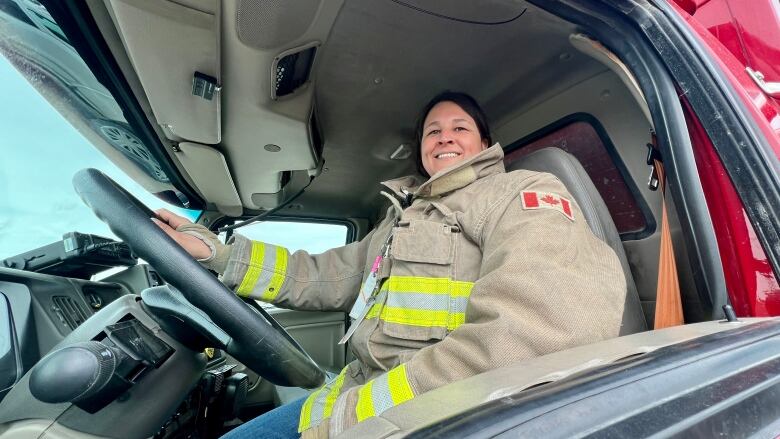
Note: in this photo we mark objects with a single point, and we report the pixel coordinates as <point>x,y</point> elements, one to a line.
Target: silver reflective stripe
<point>428,302</point>
<point>458,304</point>
<point>380,394</point>
<point>318,406</point>
<point>433,302</point>
<point>264,279</point>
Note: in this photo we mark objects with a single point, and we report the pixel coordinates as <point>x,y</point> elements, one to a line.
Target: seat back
<point>569,170</point>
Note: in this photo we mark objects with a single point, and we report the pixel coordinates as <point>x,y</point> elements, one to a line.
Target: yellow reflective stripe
<point>376,308</point>
<point>383,392</point>
<point>374,311</point>
<point>253,270</point>
<point>257,272</point>
<point>365,405</point>
<point>429,285</point>
<point>319,405</point>
<point>330,400</point>
<point>400,390</point>
<point>412,290</point>
<point>280,271</point>
<point>422,317</point>
<point>461,288</point>
<point>456,319</point>
<point>415,317</point>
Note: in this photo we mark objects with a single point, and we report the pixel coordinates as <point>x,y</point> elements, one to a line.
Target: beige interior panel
<point>317,332</point>
<point>252,118</point>
<point>167,43</point>
<point>321,342</point>
<point>100,13</point>
<point>210,173</point>
<point>595,49</point>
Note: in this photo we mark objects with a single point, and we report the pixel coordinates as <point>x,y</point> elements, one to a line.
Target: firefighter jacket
<point>485,268</point>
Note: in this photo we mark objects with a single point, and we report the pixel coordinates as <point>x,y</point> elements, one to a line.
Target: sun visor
<point>209,171</point>
<point>175,52</point>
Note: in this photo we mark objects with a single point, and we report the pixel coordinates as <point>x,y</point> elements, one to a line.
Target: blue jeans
<point>279,423</point>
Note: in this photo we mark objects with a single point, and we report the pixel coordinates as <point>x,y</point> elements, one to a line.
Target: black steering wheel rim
<point>261,345</point>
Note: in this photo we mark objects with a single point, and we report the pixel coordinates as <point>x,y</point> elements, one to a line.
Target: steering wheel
<point>261,344</point>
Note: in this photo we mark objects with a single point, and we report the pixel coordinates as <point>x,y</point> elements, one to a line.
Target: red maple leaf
<point>549,199</point>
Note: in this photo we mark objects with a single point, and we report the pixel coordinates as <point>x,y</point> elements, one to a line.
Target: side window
<point>298,235</point>
<point>582,136</point>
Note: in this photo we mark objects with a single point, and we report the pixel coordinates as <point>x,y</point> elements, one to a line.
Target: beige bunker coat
<point>484,268</point>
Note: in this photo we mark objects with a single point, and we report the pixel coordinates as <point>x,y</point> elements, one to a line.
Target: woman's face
<point>449,136</point>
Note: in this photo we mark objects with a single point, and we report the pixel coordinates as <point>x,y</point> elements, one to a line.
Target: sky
<point>39,154</point>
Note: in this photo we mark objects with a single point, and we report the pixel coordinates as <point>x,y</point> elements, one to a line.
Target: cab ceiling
<point>378,63</point>
<point>384,61</point>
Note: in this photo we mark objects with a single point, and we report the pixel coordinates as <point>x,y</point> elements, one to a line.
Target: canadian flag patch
<point>532,200</point>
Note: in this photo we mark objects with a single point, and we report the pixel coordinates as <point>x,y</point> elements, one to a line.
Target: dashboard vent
<point>68,311</point>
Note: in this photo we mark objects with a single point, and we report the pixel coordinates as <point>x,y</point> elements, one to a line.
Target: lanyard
<point>369,290</point>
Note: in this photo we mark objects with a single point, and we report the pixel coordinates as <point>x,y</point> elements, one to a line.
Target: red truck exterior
<point>740,34</point>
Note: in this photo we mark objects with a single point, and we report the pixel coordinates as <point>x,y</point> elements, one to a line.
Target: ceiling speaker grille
<point>293,71</point>
<point>269,24</point>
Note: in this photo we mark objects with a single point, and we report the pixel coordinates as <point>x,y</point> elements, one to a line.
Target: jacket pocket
<point>419,289</point>
<point>426,242</point>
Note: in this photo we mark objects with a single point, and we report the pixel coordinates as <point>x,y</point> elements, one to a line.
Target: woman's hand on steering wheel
<point>169,222</point>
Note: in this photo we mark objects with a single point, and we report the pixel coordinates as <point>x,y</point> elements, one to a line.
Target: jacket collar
<point>487,162</point>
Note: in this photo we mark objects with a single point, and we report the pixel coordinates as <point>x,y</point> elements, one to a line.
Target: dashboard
<point>37,311</point>
<point>46,313</point>
<point>53,318</point>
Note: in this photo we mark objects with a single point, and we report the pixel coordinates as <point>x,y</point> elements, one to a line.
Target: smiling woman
<point>41,152</point>
<point>451,128</point>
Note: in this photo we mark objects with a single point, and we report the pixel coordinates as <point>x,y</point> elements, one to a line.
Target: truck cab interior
<point>297,111</point>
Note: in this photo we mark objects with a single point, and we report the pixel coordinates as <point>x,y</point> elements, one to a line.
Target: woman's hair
<point>467,104</point>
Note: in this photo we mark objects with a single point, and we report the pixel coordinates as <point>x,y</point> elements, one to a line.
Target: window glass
<point>295,235</point>
<point>41,151</point>
<point>581,139</point>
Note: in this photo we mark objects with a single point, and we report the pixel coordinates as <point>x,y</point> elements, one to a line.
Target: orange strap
<point>668,305</point>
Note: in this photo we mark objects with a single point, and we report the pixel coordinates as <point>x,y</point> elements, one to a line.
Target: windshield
<point>41,150</point>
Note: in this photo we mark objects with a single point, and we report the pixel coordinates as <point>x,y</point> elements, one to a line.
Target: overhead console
<point>270,57</point>
<point>230,84</point>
